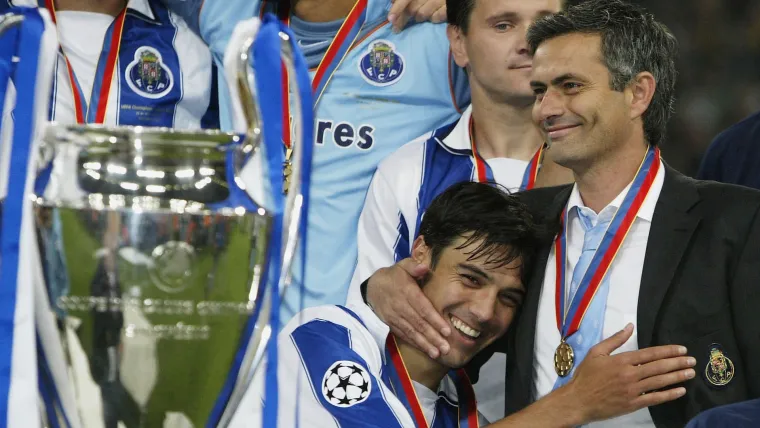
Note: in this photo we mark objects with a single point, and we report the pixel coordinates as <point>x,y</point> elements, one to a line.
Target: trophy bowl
<point>151,272</point>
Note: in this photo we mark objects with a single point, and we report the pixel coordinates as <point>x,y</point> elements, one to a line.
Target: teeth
<point>464,328</point>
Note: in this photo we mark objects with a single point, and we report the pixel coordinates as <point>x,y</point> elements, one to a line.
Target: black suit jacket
<point>700,286</point>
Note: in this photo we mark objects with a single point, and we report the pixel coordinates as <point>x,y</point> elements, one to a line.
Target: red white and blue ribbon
<point>24,42</point>
<point>396,377</point>
<point>484,174</point>
<point>569,316</point>
<point>94,111</point>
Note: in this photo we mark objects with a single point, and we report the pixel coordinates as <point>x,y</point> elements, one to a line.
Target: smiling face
<point>477,298</point>
<point>493,47</point>
<point>582,117</point>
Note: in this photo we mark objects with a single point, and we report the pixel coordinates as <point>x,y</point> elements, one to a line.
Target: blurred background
<point>719,71</point>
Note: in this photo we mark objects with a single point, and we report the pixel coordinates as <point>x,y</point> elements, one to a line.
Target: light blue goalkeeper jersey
<point>389,89</point>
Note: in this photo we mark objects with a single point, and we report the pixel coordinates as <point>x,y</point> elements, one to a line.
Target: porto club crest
<point>381,65</point>
<point>147,75</point>
<point>719,369</point>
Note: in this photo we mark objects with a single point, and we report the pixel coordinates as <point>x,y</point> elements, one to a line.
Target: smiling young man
<point>338,368</point>
<point>494,140</point>
<point>477,241</point>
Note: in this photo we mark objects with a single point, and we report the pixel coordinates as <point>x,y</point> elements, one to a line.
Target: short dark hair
<point>506,229</point>
<point>458,13</point>
<point>632,42</point>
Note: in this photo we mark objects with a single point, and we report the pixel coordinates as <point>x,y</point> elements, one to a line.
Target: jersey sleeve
<point>387,220</point>
<point>329,374</point>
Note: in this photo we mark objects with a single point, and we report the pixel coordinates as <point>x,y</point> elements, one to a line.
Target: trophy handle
<point>246,86</point>
<point>246,82</point>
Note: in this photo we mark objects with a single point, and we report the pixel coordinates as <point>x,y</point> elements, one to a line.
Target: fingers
<point>409,334</point>
<point>418,322</point>
<point>661,381</point>
<point>659,397</point>
<point>439,15</point>
<point>414,269</point>
<point>665,366</point>
<point>429,318</point>
<point>647,355</point>
<point>402,10</point>
<point>613,342</point>
<point>427,9</point>
<point>398,16</point>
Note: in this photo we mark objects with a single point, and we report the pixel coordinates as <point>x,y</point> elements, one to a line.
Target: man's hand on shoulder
<point>421,10</point>
<point>397,299</point>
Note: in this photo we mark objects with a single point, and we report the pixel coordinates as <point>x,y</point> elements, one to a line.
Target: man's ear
<point>420,251</point>
<point>457,45</point>
<point>641,93</point>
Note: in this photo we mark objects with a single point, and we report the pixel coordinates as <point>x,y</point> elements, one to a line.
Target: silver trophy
<point>152,274</point>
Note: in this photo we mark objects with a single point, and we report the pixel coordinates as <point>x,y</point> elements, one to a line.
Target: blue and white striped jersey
<point>332,363</point>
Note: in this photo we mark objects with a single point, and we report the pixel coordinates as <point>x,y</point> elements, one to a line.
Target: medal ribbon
<point>333,58</point>
<point>101,85</point>
<point>396,377</point>
<point>569,318</point>
<point>481,168</point>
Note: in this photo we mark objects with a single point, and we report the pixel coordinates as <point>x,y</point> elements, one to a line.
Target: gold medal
<point>287,170</point>
<point>564,359</point>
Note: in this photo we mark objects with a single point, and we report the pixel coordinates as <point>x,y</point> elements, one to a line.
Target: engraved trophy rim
<point>134,142</point>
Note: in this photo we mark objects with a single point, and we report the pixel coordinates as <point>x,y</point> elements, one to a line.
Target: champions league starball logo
<point>147,75</point>
<point>381,65</point>
<point>345,384</point>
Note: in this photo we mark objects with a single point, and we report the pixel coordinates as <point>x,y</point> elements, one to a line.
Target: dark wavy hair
<point>632,42</point>
<point>502,224</point>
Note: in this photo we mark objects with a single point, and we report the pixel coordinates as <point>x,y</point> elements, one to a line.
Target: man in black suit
<point>678,257</point>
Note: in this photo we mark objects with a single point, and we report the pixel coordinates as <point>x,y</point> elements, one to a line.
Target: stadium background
<point>719,72</point>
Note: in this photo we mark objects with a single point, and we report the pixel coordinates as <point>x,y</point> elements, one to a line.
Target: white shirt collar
<point>458,140</point>
<point>646,212</point>
<point>376,327</point>
<point>142,7</point>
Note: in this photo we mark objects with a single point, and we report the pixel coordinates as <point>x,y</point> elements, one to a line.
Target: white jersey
<point>164,74</point>
<point>335,368</point>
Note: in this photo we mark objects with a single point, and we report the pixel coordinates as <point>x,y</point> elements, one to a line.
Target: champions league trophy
<point>156,262</point>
